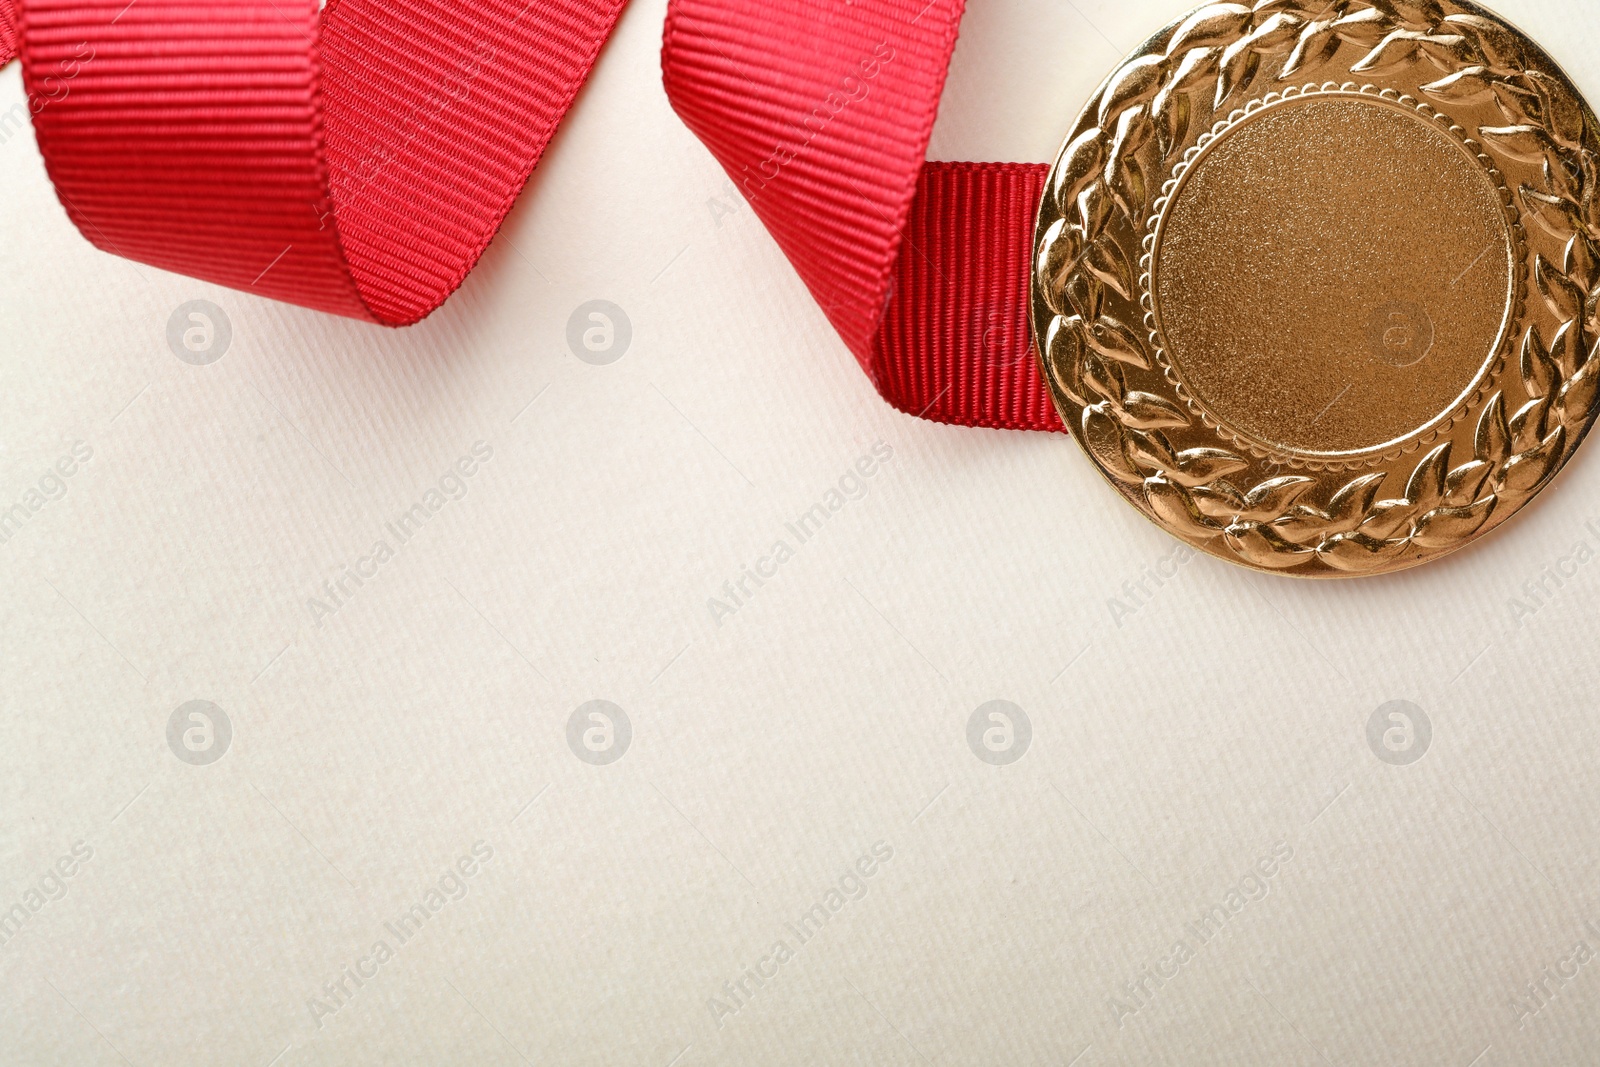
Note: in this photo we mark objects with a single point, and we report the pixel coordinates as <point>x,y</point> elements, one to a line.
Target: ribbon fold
<point>821,113</point>
<point>356,160</point>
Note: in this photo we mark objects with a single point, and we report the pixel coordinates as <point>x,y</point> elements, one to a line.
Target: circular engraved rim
<point>1506,101</point>
<point>1493,360</point>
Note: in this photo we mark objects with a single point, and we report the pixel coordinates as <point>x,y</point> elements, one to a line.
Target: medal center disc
<point>1333,276</point>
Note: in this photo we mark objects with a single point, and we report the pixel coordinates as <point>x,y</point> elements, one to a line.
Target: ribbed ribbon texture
<point>820,112</point>
<point>356,160</point>
<point>8,31</point>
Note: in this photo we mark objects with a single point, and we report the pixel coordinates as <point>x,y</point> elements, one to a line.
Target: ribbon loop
<point>356,160</point>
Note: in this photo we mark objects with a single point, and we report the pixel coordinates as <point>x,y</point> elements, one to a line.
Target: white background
<point>1172,746</point>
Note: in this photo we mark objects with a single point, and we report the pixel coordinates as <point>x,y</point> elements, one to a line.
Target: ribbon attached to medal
<point>1314,284</point>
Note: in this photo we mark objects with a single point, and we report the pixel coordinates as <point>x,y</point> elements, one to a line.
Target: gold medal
<point>1316,283</point>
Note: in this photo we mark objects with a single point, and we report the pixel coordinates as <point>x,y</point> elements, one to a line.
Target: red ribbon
<point>821,111</point>
<point>8,31</point>
<point>356,161</point>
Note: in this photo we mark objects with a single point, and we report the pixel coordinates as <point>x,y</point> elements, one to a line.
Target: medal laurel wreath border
<point>1099,178</point>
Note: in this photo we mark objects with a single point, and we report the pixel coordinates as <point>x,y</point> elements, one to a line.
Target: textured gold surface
<point>1301,230</point>
<point>1316,286</point>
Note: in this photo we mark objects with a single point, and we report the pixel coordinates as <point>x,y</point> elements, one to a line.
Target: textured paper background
<point>1221,722</point>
